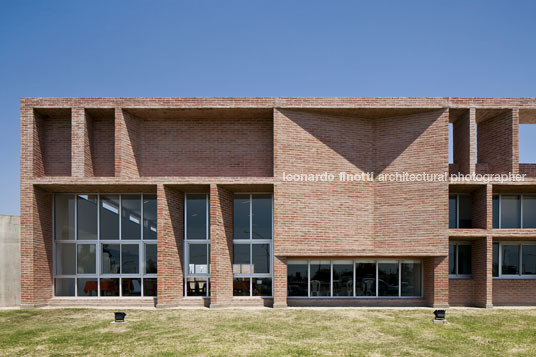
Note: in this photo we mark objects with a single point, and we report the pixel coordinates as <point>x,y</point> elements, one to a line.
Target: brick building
<point>215,202</point>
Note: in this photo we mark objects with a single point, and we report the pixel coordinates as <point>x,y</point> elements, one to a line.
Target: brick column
<point>36,246</point>
<point>482,255</point>
<point>35,216</point>
<point>170,242</point>
<point>436,281</point>
<point>280,282</point>
<point>221,250</point>
<point>515,141</point>
<point>480,204</point>
<point>82,165</point>
<point>472,140</point>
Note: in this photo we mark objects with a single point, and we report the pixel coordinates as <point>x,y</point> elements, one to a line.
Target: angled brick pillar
<point>221,250</point>
<point>36,246</point>
<point>436,281</point>
<point>35,215</point>
<point>482,255</point>
<point>128,129</point>
<point>280,282</point>
<point>170,242</point>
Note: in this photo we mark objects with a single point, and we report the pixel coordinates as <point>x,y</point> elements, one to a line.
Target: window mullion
<point>500,211</point>
<point>377,279</point>
<point>457,211</point>
<point>520,258</point>
<point>521,211</point>
<point>399,278</point>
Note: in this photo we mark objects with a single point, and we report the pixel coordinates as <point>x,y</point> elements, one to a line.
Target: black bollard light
<point>439,314</point>
<point>120,316</point>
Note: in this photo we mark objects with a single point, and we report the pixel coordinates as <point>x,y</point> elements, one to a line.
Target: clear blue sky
<point>258,48</point>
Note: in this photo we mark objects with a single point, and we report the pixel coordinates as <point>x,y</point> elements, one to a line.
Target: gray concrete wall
<point>9,261</point>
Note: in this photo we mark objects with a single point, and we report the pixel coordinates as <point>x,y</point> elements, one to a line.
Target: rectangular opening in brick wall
<point>101,131</point>
<point>527,142</point>
<point>52,156</point>
<point>459,140</point>
<point>205,142</point>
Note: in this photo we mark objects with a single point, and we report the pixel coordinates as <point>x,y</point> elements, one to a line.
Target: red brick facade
<point>173,146</point>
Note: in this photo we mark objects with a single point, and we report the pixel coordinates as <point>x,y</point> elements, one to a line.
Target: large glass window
<point>197,245</point>
<point>514,211</point>
<point>343,279</point>
<point>528,257</point>
<point>510,260</point>
<point>510,211</point>
<point>453,211</point>
<point>495,207</point>
<point>495,265</point>
<point>410,279</point>
<point>91,259</point>
<point>130,217</point>
<point>252,248</point>
<point>64,213</point>
<point>86,217</point>
<point>346,278</point>
<point>320,278</point>
<point>529,211</point>
<point>149,217</point>
<point>514,259</point>
<point>460,259</point>
<point>365,279</point>
<point>298,278</point>
<point>460,211</point>
<point>109,217</point>
<point>388,279</point>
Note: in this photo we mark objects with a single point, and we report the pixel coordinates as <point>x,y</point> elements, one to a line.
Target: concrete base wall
<point>9,261</point>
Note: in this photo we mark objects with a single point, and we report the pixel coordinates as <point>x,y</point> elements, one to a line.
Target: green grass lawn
<point>261,332</point>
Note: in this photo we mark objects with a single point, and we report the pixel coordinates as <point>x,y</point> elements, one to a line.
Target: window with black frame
<point>460,259</point>
<point>349,278</point>
<point>105,245</point>
<point>460,210</point>
<point>252,245</point>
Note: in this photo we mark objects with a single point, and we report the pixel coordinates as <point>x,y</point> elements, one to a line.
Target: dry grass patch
<point>267,332</point>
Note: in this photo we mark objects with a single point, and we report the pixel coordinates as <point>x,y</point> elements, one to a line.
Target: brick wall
<point>479,205</point>
<point>436,281</point>
<point>495,140</point>
<point>408,217</point>
<point>461,292</point>
<point>212,147</point>
<point>221,249</point>
<point>170,210</point>
<point>482,270</point>
<point>514,292</point>
<point>327,218</point>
